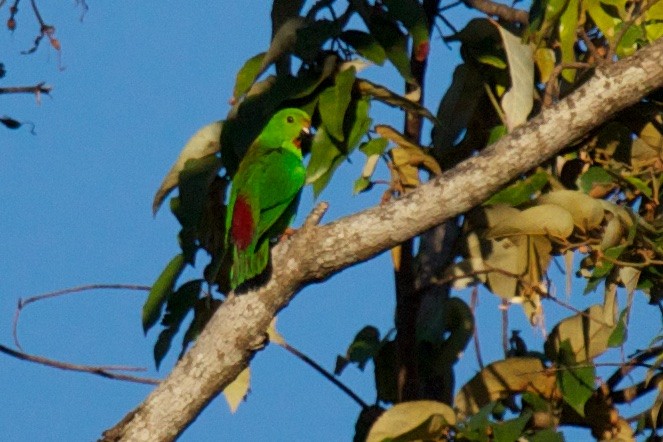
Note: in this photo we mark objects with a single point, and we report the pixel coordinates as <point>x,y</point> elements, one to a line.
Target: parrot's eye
<point>290,119</point>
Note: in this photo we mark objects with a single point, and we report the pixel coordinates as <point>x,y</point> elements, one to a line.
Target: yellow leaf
<point>415,420</point>
<point>502,379</point>
<point>237,390</point>
<point>587,212</point>
<point>587,332</point>
<point>274,335</point>
<point>207,141</point>
<point>544,219</point>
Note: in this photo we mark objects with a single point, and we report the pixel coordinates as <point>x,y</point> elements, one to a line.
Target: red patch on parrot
<point>241,229</point>
<point>421,52</point>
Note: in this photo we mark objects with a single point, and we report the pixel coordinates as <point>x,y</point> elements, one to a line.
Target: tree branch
<point>499,10</point>
<point>237,329</point>
<point>37,89</point>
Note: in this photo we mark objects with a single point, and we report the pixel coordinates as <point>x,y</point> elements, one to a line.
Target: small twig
<point>504,306</point>
<point>552,87</point>
<point>23,302</point>
<point>534,288</point>
<point>104,371</point>
<point>636,361</point>
<point>316,215</point>
<point>591,47</point>
<point>474,300</point>
<point>503,12</point>
<point>495,103</point>
<point>330,377</point>
<point>38,89</point>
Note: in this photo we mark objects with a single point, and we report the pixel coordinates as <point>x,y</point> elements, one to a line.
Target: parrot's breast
<point>243,224</point>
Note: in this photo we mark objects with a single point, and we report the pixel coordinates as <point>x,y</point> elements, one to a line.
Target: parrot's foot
<point>287,234</point>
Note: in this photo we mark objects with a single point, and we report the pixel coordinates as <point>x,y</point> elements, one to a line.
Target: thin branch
<point>82,288</point>
<point>330,377</point>
<point>503,12</point>
<point>634,362</point>
<point>102,370</point>
<point>474,301</point>
<point>552,87</point>
<point>38,89</point>
<point>504,309</point>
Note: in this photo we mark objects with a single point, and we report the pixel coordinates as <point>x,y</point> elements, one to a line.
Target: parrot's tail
<point>248,263</point>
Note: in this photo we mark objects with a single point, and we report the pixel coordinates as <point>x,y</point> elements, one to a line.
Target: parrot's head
<point>293,124</point>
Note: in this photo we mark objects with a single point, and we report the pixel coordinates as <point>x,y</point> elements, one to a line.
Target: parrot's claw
<point>287,234</point>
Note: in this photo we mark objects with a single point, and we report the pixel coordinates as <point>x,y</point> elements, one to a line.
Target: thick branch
<point>238,327</point>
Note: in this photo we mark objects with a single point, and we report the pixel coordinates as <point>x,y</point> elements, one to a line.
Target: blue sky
<point>139,79</point>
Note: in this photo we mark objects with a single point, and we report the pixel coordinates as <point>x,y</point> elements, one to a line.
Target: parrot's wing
<point>279,186</point>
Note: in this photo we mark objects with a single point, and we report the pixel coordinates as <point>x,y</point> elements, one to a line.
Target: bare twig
<point>330,377</point>
<point>504,308</point>
<point>83,288</point>
<point>104,371</point>
<point>499,10</point>
<point>636,361</point>
<point>474,300</point>
<point>316,215</point>
<point>552,87</point>
<point>38,89</point>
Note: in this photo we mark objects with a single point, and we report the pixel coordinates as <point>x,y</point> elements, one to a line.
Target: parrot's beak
<point>304,136</point>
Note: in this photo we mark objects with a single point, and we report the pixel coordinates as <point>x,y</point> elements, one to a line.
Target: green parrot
<point>265,193</point>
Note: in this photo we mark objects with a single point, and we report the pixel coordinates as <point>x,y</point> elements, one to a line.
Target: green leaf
<point>567,35</point>
<point>618,335</point>
<point>356,123</point>
<point>327,154</point>
<point>605,21</point>
<point>334,102</point>
<point>247,75</point>
<point>512,429</point>
<point>577,386</point>
<point>361,184</point>
<point>362,349</point>
<point>179,304</point>
<point>161,290</point>
<point>633,37</point>
<point>595,176</point>
<point>604,266</point>
<point>366,45</point>
<point>324,156</point>
<point>375,146</point>
<point>521,191</point>
<point>640,185</point>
